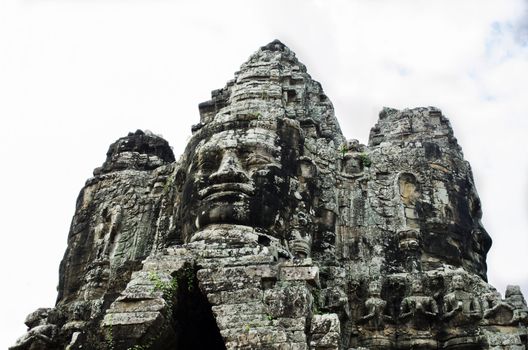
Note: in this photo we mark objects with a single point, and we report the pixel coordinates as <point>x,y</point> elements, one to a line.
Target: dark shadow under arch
<point>193,319</point>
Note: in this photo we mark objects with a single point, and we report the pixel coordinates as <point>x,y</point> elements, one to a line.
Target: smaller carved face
<point>416,287</point>
<point>237,178</point>
<point>374,288</point>
<point>457,282</point>
<point>513,291</point>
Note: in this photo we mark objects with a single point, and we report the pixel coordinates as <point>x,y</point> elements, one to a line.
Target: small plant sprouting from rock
<point>137,347</point>
<point>189,275</point>
<point>168,184</point>
<point>255,114</point>
<point>364,159</point>
<point>168,288</point>
<point>343,149</point>
<point>316,305</point>
<point>248,326</point>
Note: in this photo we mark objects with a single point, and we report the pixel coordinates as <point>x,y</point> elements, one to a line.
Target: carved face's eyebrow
<point>270,149</point>
<point>208,154</point>
<point>254,138</point>
<point>260,156</point>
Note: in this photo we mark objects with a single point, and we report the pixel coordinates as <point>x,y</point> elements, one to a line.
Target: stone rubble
<point>273,231</point>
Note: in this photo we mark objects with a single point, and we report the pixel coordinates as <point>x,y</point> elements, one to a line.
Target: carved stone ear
<point>179,177</point>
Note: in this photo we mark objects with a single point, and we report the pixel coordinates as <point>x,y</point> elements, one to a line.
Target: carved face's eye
<point>207,162</point>
<point>256,160</point>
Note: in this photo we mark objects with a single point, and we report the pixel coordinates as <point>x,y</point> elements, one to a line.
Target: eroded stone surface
<point>274,232</point>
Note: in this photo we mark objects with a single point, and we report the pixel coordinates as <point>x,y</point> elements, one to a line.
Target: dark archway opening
<point>194,323</point>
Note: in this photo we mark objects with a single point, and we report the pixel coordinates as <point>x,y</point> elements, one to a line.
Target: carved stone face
<point>239,176</point>
<point>452,227</point>
<point>416,287</point>
<point>457,282</point>
<point>375,288</point>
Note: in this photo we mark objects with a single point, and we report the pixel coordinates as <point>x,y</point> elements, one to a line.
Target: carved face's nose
<point>230,169</point>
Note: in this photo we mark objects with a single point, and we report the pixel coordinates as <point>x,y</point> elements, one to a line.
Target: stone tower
<point>273,231</point>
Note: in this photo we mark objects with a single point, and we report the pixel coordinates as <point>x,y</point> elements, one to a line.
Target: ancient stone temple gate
<point>272,231</point>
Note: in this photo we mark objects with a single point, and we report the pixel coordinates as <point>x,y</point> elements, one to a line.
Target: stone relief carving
<point>460,306</point>
<point>417,309</point>
<point>375,316</point>
<point>515,298</point>
<point>495,310</point>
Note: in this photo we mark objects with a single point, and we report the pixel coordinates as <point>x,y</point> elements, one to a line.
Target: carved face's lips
<point>226,189</point>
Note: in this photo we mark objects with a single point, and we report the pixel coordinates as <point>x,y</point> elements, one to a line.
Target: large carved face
<point>239,176</point>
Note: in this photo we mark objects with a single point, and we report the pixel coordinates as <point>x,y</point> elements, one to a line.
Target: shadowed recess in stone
<point>194,322</point>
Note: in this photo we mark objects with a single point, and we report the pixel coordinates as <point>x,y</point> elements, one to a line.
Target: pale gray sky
<point>76,75</point>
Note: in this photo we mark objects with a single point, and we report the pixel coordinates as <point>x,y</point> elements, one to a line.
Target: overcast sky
<point>76,75</point>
